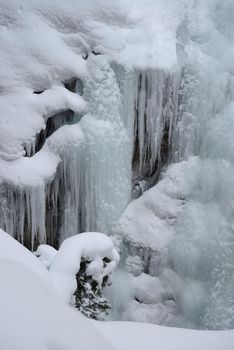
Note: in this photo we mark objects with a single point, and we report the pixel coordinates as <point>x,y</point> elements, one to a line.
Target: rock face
<point>88,295</point>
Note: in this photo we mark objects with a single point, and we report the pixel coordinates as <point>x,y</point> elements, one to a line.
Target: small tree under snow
<point>80,269</point>
<point>88,296</point>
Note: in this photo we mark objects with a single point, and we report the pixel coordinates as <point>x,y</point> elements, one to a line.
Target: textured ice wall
<point>98,175</point>
<point>150,104</point>
<point>81,178</point>
<point>196,266</point>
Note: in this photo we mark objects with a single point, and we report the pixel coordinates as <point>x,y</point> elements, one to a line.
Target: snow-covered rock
<point>92,247</point>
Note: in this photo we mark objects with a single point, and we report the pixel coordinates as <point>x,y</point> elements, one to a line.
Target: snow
<point>91,246</point>
<point>13,251</point>
<point>43,64</point>
<point>188,265</point>
<point>153,22</point>
<point>40,321</point>
<point>123,33</point>
<point>49,40</point>
<point>148,221</point>
<point>41,167</point>
<point>34,317</point>
<point>27,113</point>
<point>182,227</point>
<point>145,284</point>
<point>46,254</point>
<point>32,314</point>
<point>129,335</point>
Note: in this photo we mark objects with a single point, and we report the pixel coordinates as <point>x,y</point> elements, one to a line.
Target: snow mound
<point>138,336</point>
<point>46,254</point>
<point>33,316</point>
<point>13,251</point>
<point>91,246</point>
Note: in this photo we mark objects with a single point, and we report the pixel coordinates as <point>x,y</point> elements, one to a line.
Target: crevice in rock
<point>38,92</point>
<point>53,123</point>
<point>55,192</point>
<point>70,84</point>
<point>147,161</point>
<point>57,120</point>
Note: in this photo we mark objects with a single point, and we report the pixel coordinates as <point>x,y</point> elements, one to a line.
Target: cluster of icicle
<point>150,101</point>
<point>129,113</point>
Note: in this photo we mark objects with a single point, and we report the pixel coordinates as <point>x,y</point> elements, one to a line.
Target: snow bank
<point>13,251</point>
<point>33,317</point>
<point>46,254</point>
<point>138,336</point>
<point>50,39</point>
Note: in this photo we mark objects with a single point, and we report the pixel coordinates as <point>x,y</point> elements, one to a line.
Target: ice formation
<point>23,179</point>
<point>68,177</point>
<point>99,185</point>
<point>196,266</point>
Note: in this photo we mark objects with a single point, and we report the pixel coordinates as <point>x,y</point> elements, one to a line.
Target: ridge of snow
<point>15,252</point>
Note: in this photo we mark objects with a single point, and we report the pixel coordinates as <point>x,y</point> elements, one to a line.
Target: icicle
<point>129,112</point>
<point>97,173</point>
<point>150,101</point>
<point>23,214</point>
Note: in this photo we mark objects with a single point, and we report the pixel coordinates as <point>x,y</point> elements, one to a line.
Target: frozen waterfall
<point>181,231</point>
<point>130,122</point>
<point>144,153</point>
